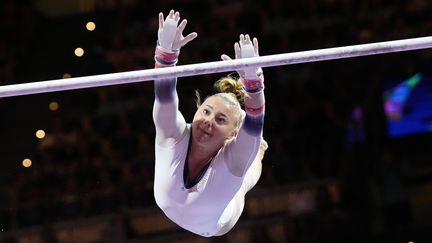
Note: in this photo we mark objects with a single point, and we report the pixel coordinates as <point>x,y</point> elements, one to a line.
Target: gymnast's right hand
<point>170,36</point>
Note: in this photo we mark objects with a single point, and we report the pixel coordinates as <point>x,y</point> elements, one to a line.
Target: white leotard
<point>214,204</point>
<point>198,209</point>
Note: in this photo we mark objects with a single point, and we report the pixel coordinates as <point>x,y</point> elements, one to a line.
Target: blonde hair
<point>232,86</point>
<point>230,89</point>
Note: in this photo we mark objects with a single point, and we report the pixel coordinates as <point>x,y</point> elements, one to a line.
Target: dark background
<point>328,176</point>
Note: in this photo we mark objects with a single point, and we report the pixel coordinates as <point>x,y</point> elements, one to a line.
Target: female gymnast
<point>203,170</point>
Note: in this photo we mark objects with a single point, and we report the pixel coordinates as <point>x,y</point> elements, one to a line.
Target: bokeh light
<point>90,26</point>
<point>53,106</point>
<point>67,75</point>
<point>79,52</point>
<point>40,134</point>
<point>27,163</point>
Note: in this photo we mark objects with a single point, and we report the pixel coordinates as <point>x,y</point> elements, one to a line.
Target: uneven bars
<point>216,67</point>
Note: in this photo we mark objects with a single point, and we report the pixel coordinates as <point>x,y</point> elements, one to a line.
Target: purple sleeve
<point>241,152</point>
<point>168,120</point>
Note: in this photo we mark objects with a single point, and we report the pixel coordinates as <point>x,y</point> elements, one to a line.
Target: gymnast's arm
<point>242,151</point>
<point>168,120</point>
<point>244,148</point>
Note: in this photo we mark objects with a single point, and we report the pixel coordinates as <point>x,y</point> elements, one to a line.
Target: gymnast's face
<point>214,122</point>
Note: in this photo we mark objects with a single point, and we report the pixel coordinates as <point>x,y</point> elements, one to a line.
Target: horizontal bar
<point>216,67</point>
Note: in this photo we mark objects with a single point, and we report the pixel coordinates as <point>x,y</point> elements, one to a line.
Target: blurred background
<point>349,156</point>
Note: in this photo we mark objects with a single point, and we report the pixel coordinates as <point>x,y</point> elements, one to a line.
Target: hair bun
<point>230,85</point>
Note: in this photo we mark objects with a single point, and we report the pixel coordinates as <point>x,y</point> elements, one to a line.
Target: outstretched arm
<point>168,121</point>
<point>243,150</point>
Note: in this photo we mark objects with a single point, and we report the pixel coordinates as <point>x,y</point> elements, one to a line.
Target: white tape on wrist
<point>247,51</point>
<point>168,34</point>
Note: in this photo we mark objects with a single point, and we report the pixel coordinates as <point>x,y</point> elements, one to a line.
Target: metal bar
<point>216,67</point>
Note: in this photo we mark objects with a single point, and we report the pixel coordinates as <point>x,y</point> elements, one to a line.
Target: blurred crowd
<point>97,157</point>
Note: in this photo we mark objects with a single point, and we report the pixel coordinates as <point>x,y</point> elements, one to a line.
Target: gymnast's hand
<point>245,48</point>
<point>170,36</point>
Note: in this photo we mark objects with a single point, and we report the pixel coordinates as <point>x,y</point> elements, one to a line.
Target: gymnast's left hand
<point>245,48</point>
<point>170,36</point>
